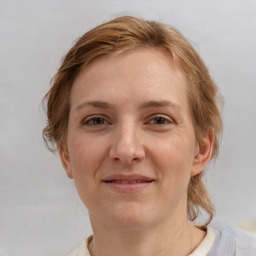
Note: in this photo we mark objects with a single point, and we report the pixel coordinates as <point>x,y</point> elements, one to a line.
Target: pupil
<point>160,120</point>
<point>98,121</point>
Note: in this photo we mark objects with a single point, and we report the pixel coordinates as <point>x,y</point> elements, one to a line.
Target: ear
<point>203,153</point>
<point>65,160</point>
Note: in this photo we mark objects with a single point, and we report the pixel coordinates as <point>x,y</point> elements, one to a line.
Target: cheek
<point>172,161</point>
<point>173,157</point>
<point>86,154</point>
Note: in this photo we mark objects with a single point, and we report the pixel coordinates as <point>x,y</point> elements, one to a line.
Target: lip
<point>130,177</point>
<point>128,183</point>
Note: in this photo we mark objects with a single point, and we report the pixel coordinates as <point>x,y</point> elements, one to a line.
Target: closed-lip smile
<point>127,183</point>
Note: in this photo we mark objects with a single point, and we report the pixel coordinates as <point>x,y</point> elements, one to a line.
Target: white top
<point>203,248</point>
<point>83,249</point>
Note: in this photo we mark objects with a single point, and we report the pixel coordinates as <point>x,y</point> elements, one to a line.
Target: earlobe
<point>65,160</point>
<point>203,153</point>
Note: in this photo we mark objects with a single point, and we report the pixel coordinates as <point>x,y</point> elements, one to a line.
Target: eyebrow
<point>148,104</point>
<point>162,103</point>
<point>96,104</point>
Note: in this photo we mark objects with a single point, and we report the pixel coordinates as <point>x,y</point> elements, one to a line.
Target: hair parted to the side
<point>126,33</point>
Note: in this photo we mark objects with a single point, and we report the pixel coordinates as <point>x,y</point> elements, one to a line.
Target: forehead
<point>141,74</point>
<point>149,60</point>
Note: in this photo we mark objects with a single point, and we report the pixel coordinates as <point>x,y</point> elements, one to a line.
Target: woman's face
<point>131,148</point>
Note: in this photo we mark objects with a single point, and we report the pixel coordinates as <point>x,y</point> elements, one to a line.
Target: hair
<point>126,33</point>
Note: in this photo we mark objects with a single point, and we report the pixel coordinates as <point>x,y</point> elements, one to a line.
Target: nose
<point>126,146</point>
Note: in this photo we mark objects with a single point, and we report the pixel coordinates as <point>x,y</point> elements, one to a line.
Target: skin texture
<point>130,115</point>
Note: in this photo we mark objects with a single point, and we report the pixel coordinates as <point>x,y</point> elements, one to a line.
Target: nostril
<point>126,150</point>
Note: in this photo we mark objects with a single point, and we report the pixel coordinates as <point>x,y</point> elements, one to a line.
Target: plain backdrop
<point>40,212</point>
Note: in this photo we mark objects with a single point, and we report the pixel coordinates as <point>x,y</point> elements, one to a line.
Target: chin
<point>132,216</point>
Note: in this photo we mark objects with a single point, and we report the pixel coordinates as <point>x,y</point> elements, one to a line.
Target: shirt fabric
<point>220,240</point>
<point>232,242</point>
<point>205,246</point>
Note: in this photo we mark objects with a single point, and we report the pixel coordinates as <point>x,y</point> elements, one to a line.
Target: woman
<point>134,114</point>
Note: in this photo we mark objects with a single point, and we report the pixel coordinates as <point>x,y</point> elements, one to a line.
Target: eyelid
<point>86,120</point>
<point>167,118</point>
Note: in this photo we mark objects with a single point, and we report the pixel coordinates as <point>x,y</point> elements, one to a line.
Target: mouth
<point>128,183</point>
<point>127,179</point>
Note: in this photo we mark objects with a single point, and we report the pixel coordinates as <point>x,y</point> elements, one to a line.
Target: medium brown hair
<point>127,33</point>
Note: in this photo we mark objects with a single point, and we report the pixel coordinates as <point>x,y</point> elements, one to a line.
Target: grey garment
<point>231,241</point>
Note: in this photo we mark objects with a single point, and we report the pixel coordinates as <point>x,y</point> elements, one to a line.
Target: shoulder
<point>232,241</point>
<point>82,250</point>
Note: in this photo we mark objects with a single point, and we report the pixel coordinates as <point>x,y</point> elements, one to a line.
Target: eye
<point>94,121</point>
<point>160,120</point>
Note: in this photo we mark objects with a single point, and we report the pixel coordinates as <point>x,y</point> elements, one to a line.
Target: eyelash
<point>90,121</point>
<point>162,118</point>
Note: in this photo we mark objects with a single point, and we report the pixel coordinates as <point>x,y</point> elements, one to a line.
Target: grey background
<point>40,212</point>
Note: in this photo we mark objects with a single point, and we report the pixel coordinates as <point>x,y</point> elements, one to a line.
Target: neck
<point>169,238</point>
